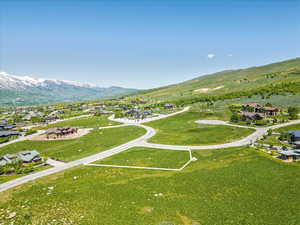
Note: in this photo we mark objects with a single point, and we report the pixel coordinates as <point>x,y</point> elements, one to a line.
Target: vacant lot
<point>149,157</point>
<point>85,122</point>
<point>182,130</point>
<point>230,186</point>
<point>68,150</point>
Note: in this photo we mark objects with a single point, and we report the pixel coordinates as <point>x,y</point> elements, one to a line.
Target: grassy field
<point>230,186</point>
<point>68,150</point>
<point>85,122</point>
<point>182,130</point>
<point>227,81</point>
<point>149,157</point>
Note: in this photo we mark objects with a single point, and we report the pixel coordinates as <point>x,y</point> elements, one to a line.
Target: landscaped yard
<point>287,128</point>
<point>229,186</point>
<point>5,178</point>
<point>68,150</point>
<point>85,122</point>
<point>182,130</point>
<point>148,157</point>
<point>273,140</point>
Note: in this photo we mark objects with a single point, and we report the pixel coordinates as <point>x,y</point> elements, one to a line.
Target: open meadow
<point>228,186</point>
<point>85,122</point>
<point>148,157</point>
<point>182,129</point>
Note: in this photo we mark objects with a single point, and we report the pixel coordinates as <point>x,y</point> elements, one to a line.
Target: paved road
<point>141,141</point>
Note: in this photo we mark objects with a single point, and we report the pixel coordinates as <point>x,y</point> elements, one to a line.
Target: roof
<point>7,126</point>
<point>252,114</point>
<point>295,133</point>
<point>28,156</point>
<point>7,133</point>
<point>252,105</point>
<point>169,104</point>
<point>270,108</point>
<point>290,153</point>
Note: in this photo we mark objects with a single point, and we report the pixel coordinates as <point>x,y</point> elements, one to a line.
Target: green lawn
<point>68,150</point>
<point>273,140</point>
<point>148,157</point>
<point>230,186</point>
<point>182,130</point>
<point>85,122</point>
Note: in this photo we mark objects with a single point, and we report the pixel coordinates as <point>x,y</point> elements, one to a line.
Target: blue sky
<point>144,44</point>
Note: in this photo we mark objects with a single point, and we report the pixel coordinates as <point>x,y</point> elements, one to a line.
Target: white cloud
<point>210,56</point>
<point>229,55</point>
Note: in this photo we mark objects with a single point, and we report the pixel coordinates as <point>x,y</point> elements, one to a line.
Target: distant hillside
<point>18,90</point>
<point>254,80</point>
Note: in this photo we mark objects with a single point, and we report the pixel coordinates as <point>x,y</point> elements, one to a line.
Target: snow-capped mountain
<point>9,81</point>
<point>25,90</point>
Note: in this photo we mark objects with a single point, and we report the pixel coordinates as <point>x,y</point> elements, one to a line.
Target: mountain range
<point>26,90</point>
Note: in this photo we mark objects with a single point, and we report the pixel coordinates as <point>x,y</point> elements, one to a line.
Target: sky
<point>142,43</point>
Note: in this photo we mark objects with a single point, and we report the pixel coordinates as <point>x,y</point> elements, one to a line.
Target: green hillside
<point>277,77</point>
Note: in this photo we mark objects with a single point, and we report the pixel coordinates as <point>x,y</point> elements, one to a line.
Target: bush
<point>4,139</point>
<point>119,115</point>
<point>293,113</point>
<point>235,117</point>
<point>261,123</point>
<point>270,131</point>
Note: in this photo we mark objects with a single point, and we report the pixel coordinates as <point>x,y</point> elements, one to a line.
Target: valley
<point>158,157</point>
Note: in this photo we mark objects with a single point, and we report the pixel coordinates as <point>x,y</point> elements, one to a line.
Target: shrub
<point>293,113</point>
<point>4,139</point>
<point>235,117</point>
<point>261,122</point>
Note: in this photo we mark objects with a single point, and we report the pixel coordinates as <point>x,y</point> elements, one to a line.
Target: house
<point>5,126</point>
<point>8,133</point>
<point>7,159</point>
<point>132,112</point>
<point>50,118</point>
<point>29,156</point>
<point>295,137</point>
<point>257,108</point>
<point>270,111</point>
<point>169,106</point>
<point>105,112</point>
<point>23,156</point>
<point>136,113</point>
<point>59,132</point>
<point>252,116</point>
<point>100,107</point>
<point>252,107</point>
<point>290,155</point>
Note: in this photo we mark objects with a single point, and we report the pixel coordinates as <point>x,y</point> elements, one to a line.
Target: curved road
<point>141,141</point>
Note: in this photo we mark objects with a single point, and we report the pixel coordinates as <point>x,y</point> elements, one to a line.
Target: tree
<point>268,104</point>
<point>293,113</point>
<point>235,117</point>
